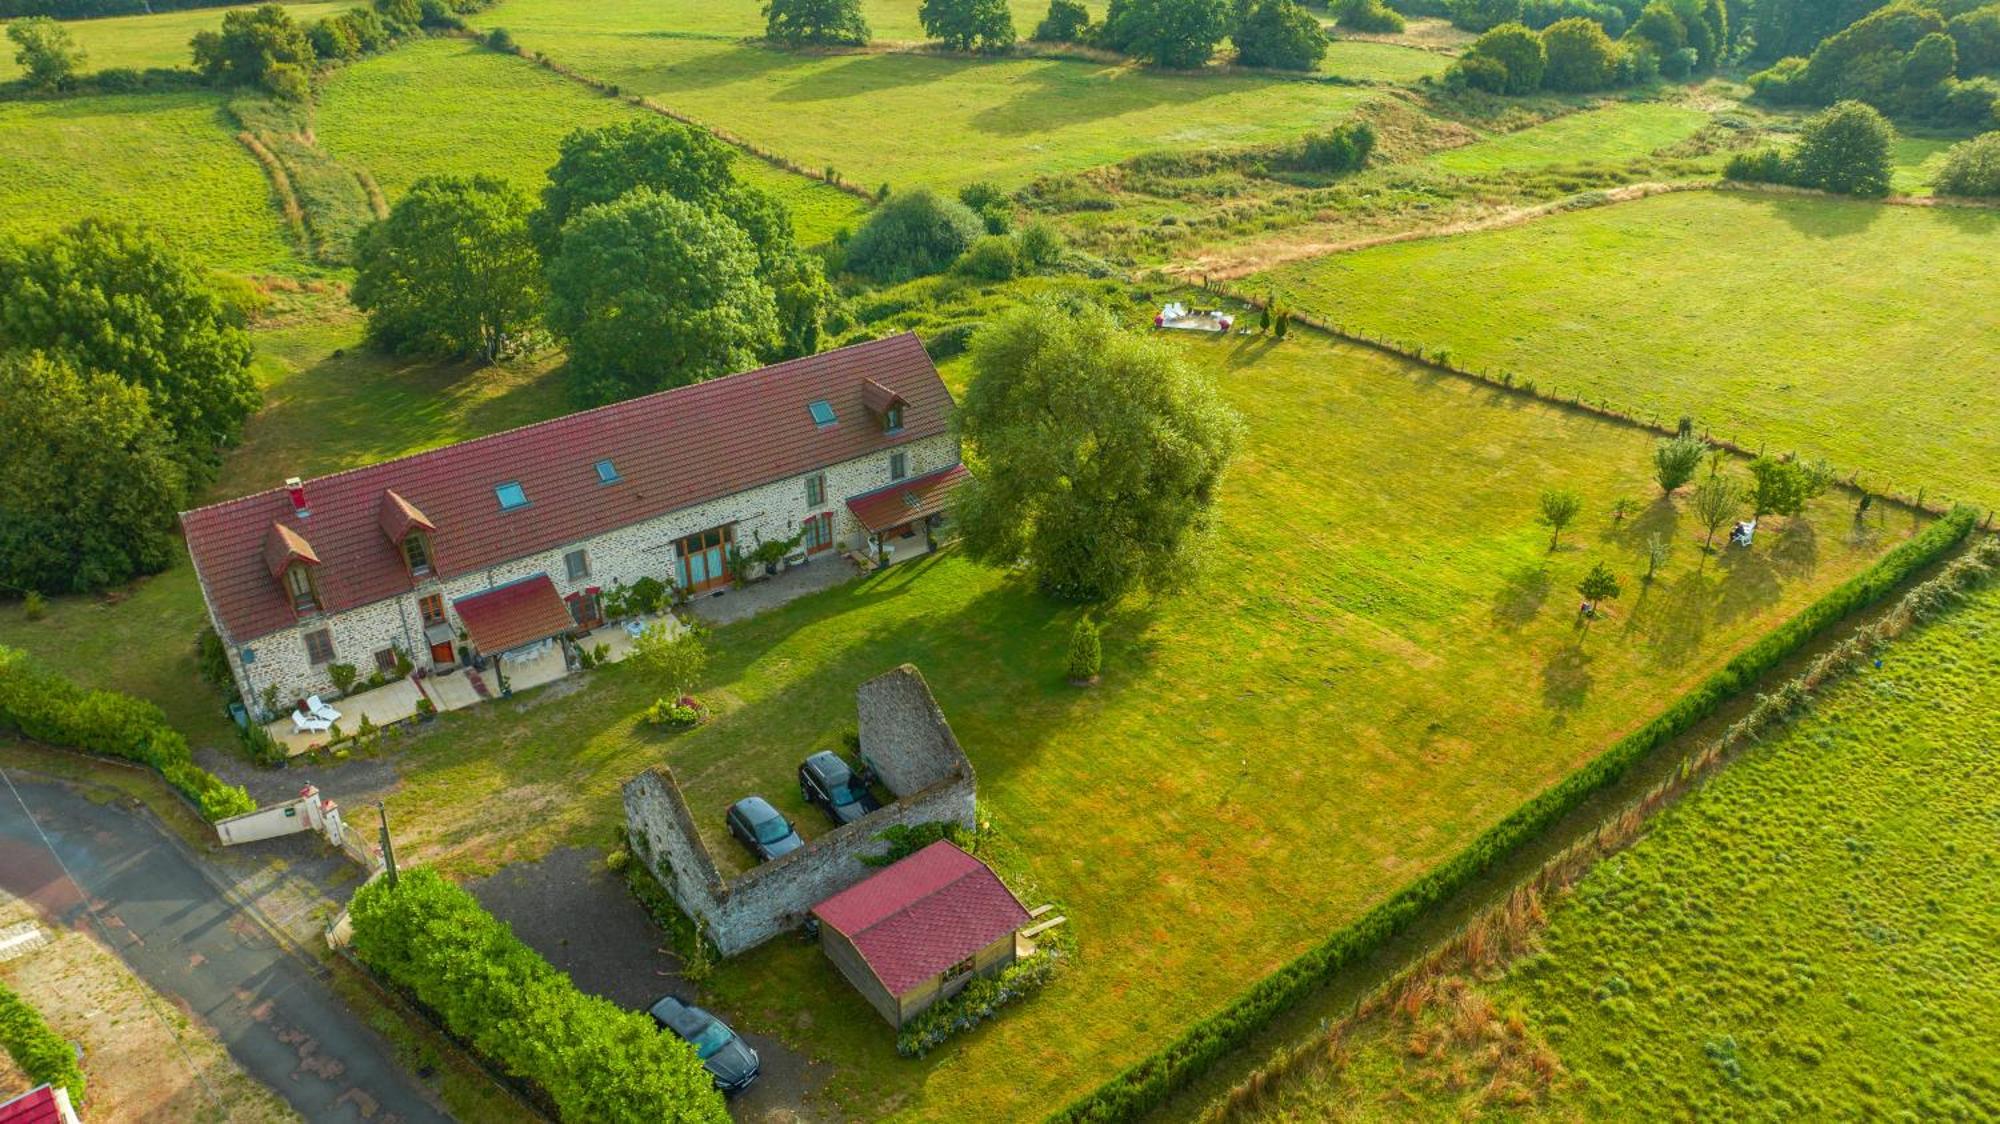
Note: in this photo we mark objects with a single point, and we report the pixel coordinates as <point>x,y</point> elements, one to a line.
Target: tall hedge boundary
<point>1150,1082</point>
<point>41,1053</point>
<point>42,706</point>
<point>596,1061</point>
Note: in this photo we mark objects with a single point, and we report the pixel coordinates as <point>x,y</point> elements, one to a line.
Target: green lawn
<point>1380,62</point>
<point>1381,662</point>
<point>448,107</point>
<point>141,42</point>
<point>1611,134</point>
<point>1917,162</point>
<point>1813,934</point>
<point>1857,332</point>
<point>170,160</point>
<point>911,119</point>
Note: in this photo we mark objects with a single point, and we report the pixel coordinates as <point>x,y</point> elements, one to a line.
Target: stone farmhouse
<point>507,543</point>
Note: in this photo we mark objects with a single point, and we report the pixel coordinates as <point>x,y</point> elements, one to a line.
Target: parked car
<point>728,1059</point>
<point>825,780</point>
<point>762,828</point>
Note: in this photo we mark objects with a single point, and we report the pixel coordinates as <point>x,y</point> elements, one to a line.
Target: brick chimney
<point>296,488</point>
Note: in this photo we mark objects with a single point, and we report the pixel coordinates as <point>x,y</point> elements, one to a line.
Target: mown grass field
<point>912,119</point>
<point>450,107</point>
<point>1810,935</point>
<point>1861,333</point>
<point>170,160</point>
<point>1613,133</point>
<point>147,41</point>
<point>1381,662</point>
<point>1380,62</point>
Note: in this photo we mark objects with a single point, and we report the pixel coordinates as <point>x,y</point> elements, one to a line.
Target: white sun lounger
<point>320,710</point>
<point>303,723</point>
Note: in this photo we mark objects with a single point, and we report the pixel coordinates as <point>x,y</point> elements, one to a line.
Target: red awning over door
<point>518,613</point>
<point>907,500</point>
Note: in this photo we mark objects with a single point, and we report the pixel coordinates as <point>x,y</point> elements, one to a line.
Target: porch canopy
<point>514,614</point>
<point>907,500</point>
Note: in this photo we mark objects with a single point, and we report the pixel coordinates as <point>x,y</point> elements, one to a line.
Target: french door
<point>704,559</point>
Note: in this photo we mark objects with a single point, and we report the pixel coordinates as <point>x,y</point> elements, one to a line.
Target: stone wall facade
<point>740,913</point>
<point>646,549</point>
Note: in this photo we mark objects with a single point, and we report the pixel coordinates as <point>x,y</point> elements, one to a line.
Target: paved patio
<point>391,702</point>
<point>724,606</point>
<point>540,666</point>
<point>617,638</point>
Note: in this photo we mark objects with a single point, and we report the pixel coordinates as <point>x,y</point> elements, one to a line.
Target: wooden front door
<point>704,559</point>
<point>441,654</point>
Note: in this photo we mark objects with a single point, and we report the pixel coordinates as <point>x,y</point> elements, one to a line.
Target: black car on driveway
<point>728,1059</point>
<point>762,828</point>
<point>826,780</point>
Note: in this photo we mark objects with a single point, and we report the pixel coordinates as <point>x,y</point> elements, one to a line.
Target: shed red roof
<point>924,914</point>
<point>514,614</point>
<point>36,1106</point>
<point>667,450</point>
<point>909,499</point>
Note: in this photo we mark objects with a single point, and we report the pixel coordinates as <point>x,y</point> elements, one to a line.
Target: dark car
<point>825,780</point>
<point>762,828</point>
<point>728,1059</point>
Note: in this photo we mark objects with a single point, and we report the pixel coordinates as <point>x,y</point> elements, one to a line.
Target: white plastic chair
<point>320,710</point>
<point>303,723</point>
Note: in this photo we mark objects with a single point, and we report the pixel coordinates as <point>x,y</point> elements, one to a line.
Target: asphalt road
<point>110,868</point>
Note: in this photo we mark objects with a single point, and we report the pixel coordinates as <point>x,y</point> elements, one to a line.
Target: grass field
<point>1381,62</point>
<point>445,106</point>
<point>1917,162</point>
<point>912,119</point>
<point>141,42</point>
<point>1610,134</point>
<point>147,158</point>
<point>1861,333</point>
<point>1381,662</point>
<point>1811,935</point>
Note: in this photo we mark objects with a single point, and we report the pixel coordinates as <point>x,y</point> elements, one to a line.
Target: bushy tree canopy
<point>88,480</point>
<point>1281,35</point>
<point>260,46</point>
<point>818,23</point>
<point>1181,34</point>
<point>45,52</point>
<point>1581,57</point>
<point>650,292</point>
<point>1482,15</point>
<point>452,270</point>
<point>1068,21</point>
<point>1368,17</point>
<point>1506,60</point>
<point>111,297</point>
<point>1844,150</point>
<point>1977,35</point>
<point>1784,487</point>
<point>1098,453</point>
<point>913,234</point>
<point>1972,167</point>
<point>965,24</point>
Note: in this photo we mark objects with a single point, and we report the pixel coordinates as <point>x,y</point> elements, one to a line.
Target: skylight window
<point>822,412</point>
<point>511,495</point>
<point>606,472</point>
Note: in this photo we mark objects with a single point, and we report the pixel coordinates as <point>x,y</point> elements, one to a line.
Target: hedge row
<point>45,707</point>
<point>595,1061</point>
<point>41,1053</point>
<point>1150,1082</point>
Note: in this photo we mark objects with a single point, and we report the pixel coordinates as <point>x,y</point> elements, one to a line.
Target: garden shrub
<point>992,258</point>
<point>1086,651</point>
<point>979,1001</point>
<point>1040,245</point>
<point>1341,149</point>
<point>1368,16</point>
<point>45,707</point>
<point>914,234</point>
<point>1844,150</point>
<point>1972,167</point>
<point>595,1061</point>
<point>1152,1080</point>
<point>1765,165</point>
<point>905,840</point>
<point>38,1051</point>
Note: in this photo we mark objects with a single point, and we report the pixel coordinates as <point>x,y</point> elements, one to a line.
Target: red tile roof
<point>670,450</point>
<point>399,517</point>
<point>37,1106</point>
<point>924,914</point>
<point>909,499</point>
<point>284,546</point>
<point>514,614</point>
<point>879,398</point>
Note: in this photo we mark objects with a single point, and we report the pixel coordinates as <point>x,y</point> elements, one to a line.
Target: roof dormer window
<point>305,592</point>
<point>417,554</point>
<point>892,418</point>
<point>884,403</point>
<point>511,495</point>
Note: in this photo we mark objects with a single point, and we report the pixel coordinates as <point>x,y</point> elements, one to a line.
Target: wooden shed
<point>920,930</point>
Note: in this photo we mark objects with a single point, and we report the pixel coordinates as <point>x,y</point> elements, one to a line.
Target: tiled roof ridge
<point>942,887</point>
<point>471,442</point>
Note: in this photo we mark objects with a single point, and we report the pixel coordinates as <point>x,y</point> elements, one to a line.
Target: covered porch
<point>900,520</point>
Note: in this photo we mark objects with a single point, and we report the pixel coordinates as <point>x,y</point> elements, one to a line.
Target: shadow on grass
<point>1058,94</point>
<point>1522,594</point>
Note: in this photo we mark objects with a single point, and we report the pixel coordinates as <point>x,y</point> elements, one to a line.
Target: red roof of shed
<point>36,1106</point>
<point>514,614</point>
<point>924,914</point>
<point>668,451</point>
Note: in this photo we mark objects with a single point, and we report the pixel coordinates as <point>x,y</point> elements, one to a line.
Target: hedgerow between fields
<point>1149,1083</point>
<point>45,707</point>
